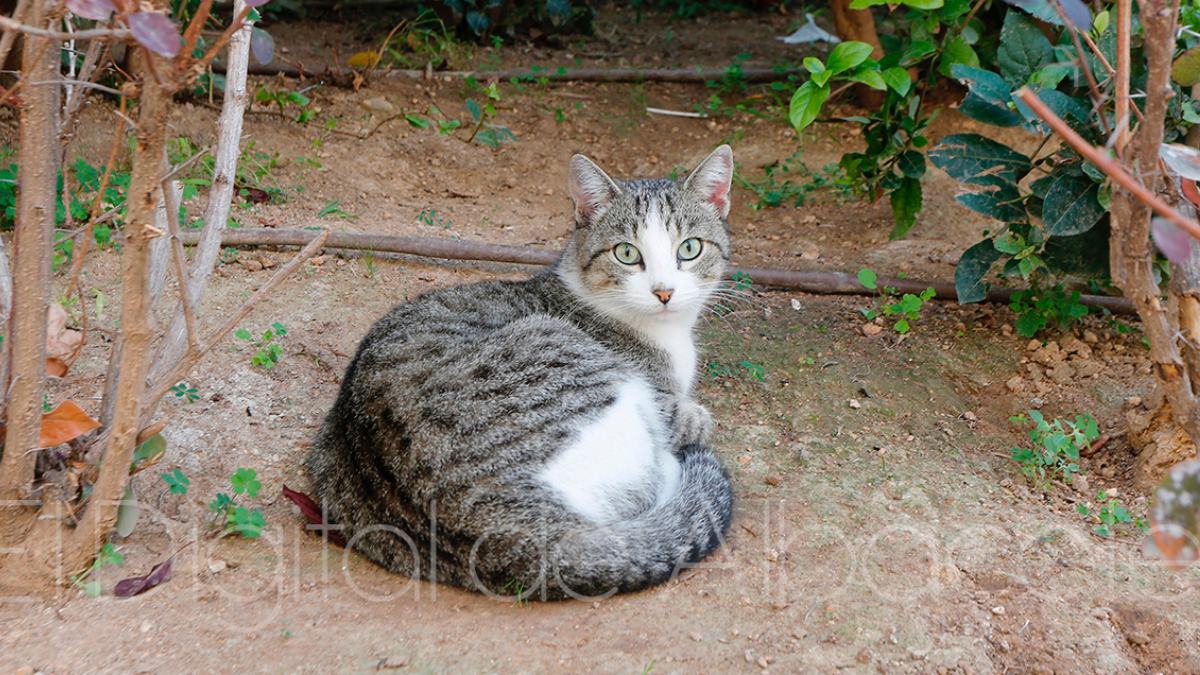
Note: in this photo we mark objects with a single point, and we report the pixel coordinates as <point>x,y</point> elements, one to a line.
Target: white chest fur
<point>621,455</point>
<point>675,338</point>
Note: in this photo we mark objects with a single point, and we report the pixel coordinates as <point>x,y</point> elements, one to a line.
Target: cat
<point>539,438</point>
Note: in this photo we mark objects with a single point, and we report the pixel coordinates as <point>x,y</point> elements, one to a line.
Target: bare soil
<point>880,524</point>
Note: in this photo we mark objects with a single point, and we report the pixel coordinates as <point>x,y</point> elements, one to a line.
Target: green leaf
<point>972,267</point>
<point>911,163</point>
<point>898,80</point>
<point>847,55</point>
<point>957,52</point>
<point>1023,48</point>
<point>92,589</point>
<point>906,204</point>
<point>1070,109</point>
<point>868,278</point>
<point>245,481</point>
<point>901,326</point>
<point>150,448</point>
<point>1072,205</point>
<point>988,98</point>
<point>870,77</point>
<point>221,502</point>
<point>806,104</point>
<point>1186,70</point>
<point>923,4</point>
<point>242,334</point>
<point>997,199</point>
<point>813,65</point>
<point>917,51</point>
<point>975,159</point>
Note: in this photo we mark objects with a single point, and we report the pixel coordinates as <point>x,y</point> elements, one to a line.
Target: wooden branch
<point>37,200</point>
<point>9,38</point>
<point>825,282</point>
<point>101,511</point>
<point>682,75</point>
<point>220,196</point>
<point>1107,164</point>
<point>9,24</point>
<point>173,192</point>
<point>185,365</point>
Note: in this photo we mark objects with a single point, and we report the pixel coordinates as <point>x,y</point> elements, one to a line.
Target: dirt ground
<point>880,524</point>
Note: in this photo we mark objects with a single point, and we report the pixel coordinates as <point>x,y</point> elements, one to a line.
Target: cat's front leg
<point>690,423</point>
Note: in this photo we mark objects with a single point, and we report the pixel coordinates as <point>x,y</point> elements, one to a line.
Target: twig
<point>185,299</point>
<point>9,24</point>
<point>1106,164</point>
<point>675,113</point>
<point>1124,18</point>
<point>826,282</point>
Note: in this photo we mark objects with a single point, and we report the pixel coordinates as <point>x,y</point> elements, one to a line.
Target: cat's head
<point>649,249</point>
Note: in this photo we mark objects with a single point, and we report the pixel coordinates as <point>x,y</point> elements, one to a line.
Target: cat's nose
<point>663,295</point>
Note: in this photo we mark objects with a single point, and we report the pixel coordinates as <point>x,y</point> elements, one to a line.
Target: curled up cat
<point>540,437</point>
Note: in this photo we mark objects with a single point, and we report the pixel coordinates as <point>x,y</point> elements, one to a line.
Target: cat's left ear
<point>713,180</point>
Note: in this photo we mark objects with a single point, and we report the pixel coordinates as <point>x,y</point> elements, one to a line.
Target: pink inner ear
<point>718,195</point>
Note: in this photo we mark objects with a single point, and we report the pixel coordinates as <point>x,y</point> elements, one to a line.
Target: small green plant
<point>108,555</point>
<point>283,100</point>
<point>431,217</point>
<point>333,210</point>
<point>177,482</point>
<point>185,391</point>
<point>1037,309</point>
<point>906,310</point>
<point>493,135</point>
<point>269,351</point>
<point>776,188</point>
<point>235,518</point>
<point>746,369</point>
<point>741,281</point>
<point>1056,447</point>
<point>1110,514</point>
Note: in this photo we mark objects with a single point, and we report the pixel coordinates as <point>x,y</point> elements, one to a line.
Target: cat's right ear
<point>591,190</point>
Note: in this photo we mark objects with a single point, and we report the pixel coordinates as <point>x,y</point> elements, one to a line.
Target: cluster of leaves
<point>267,350</point>
<point>234,518</point>
<point>906,309</point>
<point>776,187</point>
<point>483,130</point>
<point>285,99</point>
<point>1110,514</point>
<point>745,369</point>
<point>1056,447</point>
<point>934,37</point>
<point>185,391</point>
<point>1039,308</point>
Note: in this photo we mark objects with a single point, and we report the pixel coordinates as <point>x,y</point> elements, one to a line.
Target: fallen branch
<point>684,75</point>
<point>823,282</point>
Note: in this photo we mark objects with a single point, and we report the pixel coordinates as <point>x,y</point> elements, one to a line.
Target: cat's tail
<point>652,547</point>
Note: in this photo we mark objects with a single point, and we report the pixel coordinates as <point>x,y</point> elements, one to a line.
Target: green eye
<point>690,249</point>
<point>627,253</point>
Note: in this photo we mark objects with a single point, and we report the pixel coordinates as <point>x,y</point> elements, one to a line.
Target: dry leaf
<point>160,573</point>
<point>65,423</point>
<point>363,60</point>
<point>312,513</point>
<point>62,343</point>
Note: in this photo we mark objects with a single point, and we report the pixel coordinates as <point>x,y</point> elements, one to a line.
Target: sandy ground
<point>880,525</point>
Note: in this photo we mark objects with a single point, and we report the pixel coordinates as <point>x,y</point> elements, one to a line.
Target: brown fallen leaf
<point>62,343</point>
<point>312,513</point>
<point>63,424</point>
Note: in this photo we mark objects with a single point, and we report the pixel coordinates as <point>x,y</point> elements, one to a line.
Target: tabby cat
<point>539,437</point>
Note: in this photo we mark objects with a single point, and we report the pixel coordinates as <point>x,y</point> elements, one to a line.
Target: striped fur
<point>448,453</point>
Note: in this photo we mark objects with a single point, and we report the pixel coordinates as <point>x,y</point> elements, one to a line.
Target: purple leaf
<point>256,3</point>
<point>262,45</point>
<point>96,10</point>
<point>312,513</point>
<point>1171,240</point>
<point>1181,159</point>
<point>1078,13</point>
<point>155,32</point>
<point>160,573</point>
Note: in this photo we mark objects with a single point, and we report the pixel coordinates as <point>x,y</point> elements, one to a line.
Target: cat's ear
<point>591,190</point>
<point>713,179</point>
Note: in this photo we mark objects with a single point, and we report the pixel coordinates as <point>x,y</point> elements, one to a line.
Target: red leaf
<point>96,10</point>
<point>160,573</point>
<point>1171,239</point>
<point>155,32</point>
<point>1188,187</point>
<point>65,423</point>
<point>312,513</point>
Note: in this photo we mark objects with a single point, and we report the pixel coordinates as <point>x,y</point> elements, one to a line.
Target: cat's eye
<point>627,253</point>
<point>690,249</point>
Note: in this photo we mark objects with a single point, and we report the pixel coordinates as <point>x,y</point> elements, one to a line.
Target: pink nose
<point>664,296</point>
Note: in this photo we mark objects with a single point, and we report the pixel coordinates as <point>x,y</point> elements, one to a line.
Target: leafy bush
<point>1057,445</point>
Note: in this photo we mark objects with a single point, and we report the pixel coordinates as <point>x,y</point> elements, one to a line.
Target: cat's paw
<point>691,423</point>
